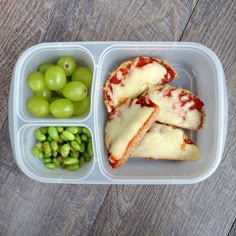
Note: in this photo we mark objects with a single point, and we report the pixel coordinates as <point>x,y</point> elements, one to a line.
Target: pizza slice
<point>166,142</point>
<point>178,107</point>
<point>133,77</point>
<point>126,127</point>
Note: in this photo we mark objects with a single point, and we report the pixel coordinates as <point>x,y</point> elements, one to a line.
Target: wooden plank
<point>207,208</point>
<point>22,24</point>
<point>31,208</point>
<point>218,31</point>
<point>6,157</point>
<point>119,20</point>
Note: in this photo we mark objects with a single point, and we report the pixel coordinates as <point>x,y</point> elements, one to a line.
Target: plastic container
<point>199,70</point>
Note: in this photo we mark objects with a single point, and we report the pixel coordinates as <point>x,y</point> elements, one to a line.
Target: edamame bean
<point>73,130</point>
<point>52,131</point>
<point>56,161</point>
<point>73,167</point>
<point>86,132</point>
<point>54,145</point>
<point>68,135</point>
<point>60,129</point>
<point>39,135</point>
<point>74,154</point>
<point>47,155</point>
<point>70,161</point>
<point>46,147</point>
<point>65,149</point>
<point>82,147</point>
<point>78,139</point>
<point>44,130</point>
<point>62,138</point>
<point>75,145</point>
<point>39,145</point>
<point>37,152</point>
<point>54,153</point>
<point>59,158</point>
<point>90,148</point>
<point>51,166</point>
<point>84,137</point>
<point>47,160</point>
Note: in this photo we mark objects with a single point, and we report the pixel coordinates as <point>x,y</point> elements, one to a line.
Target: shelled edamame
<point>60,89</point>
<point>65,147</point>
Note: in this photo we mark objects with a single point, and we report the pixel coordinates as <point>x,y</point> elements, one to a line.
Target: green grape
<point>62,108</point>
<point>82,107</point>
<point>68,64</point>
<point>45,93</point>
<point>75,91</point>
<point>84,75</point>
<point>43,67</point>
<point>38,106</point>
<point>55,78</point>
<point>36,81</point>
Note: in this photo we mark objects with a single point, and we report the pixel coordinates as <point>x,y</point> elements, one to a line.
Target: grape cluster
<point>59,89</point>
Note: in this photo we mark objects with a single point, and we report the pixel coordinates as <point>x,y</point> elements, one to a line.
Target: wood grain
<point>31,208</point>
<point>22,24</point>
<point>207,208</point>
<point>118,20</point>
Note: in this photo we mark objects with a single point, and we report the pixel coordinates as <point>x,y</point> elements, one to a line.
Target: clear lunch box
<point>198,69</point>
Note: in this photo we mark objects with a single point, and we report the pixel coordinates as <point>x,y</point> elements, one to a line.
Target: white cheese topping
<point>172,110</point>
<point>165,142</point>
<point>137,81</point>
<point>124,126</point>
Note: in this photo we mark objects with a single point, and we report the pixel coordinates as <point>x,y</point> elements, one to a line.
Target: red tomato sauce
<point>143,101</point>
<point>188,141</point>
<point>197,103</point>
<point>168,93</point>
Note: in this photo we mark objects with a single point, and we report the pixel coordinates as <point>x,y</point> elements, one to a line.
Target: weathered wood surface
<point>31,208</point>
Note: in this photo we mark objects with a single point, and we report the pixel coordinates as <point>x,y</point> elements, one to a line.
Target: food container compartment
<point>35,167</point>
<point>30,61</point>
<point>199,70</point>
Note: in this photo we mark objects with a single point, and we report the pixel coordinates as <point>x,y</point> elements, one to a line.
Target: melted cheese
<point>166,142</point>
<point>137,81</point>
<point>171,109</point>
<point>124,126</point>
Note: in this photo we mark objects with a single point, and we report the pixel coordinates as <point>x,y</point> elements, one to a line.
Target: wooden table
<point>28,207</point>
